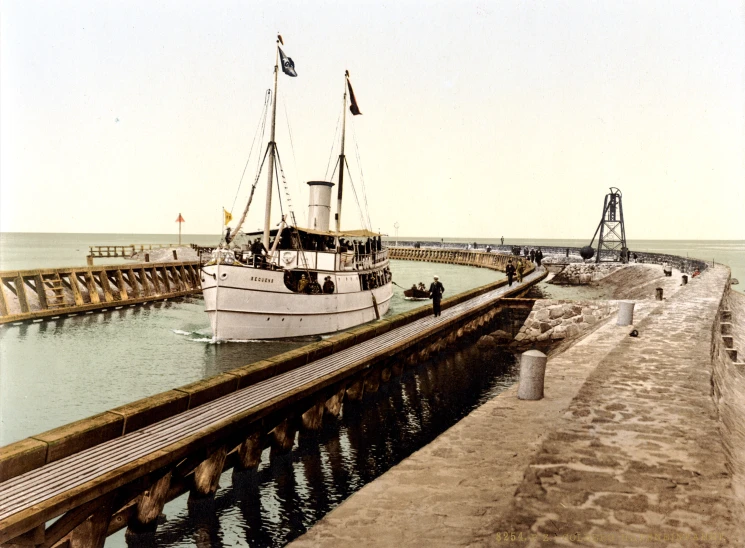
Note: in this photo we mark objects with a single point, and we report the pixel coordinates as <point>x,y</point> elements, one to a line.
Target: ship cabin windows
<point>301,281</point>
<point>375,279</point>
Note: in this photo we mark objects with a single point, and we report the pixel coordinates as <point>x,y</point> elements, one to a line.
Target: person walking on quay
<point>538,256</point>
<point>532,255</point>
<point>520,269</point>
<point>510,271</point>
<point>436,290</point>
<point>502,240</point>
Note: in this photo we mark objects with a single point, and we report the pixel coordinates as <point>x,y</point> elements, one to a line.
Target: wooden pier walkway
<point>75,290</point>
<point>124,251</point>
<point>108,479</point>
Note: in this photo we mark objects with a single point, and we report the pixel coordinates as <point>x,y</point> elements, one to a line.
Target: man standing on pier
<point>510,271</point>
<point>436,290</point>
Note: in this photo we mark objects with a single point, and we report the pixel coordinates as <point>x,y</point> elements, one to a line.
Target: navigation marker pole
<point>179,221</point>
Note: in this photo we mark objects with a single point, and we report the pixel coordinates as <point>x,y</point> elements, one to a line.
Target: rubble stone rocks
<point>583,274</point>
<point>560,319</point>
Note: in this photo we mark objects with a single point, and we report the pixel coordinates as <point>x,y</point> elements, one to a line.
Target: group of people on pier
<point>516,270</point>
<point>532,255</point>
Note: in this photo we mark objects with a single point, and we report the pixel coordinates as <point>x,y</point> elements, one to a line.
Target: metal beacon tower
<point>612,232</point>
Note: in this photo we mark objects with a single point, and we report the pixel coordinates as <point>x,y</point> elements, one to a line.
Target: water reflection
<point>283,498</point>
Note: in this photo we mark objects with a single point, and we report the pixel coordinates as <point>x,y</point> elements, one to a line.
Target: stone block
<point>543,336</point>
<point>556,312</point>
<point>486,342</point>
<point>558,333</point>
<point>545,327</point>
<point>589,319</point>
<point>542,315</point>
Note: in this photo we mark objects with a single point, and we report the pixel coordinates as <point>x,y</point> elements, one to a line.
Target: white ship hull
<point>246,303</point>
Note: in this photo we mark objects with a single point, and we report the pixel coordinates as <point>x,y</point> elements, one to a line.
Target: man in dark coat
<point>510,271</point>
<point>538,256</point>
<point>328,285</point>
<point>436,290</point>
<point>257,248</point>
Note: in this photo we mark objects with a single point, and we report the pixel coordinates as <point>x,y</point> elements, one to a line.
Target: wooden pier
<point>123,251</point>
<point>27,295</point>
<point>119,468</point>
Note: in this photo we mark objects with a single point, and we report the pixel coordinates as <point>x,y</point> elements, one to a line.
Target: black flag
<point>353,106</point>
<point>288,66</point>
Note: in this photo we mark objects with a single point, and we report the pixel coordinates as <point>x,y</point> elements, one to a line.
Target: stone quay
<point>638,441</point>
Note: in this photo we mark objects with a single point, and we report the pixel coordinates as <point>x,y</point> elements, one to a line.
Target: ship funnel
<point>319,205</point>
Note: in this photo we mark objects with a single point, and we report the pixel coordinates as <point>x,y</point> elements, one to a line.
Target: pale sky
<point>480,118</point>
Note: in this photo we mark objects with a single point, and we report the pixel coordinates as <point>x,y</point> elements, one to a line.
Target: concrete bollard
<point>532,372</point>
<point>658,294</point>
<point>625,313</point>
<point>685,279</point>
<point>175,255</point>
<point>147,257</point>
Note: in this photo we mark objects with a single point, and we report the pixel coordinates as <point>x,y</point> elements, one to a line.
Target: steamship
<point>293,281</point>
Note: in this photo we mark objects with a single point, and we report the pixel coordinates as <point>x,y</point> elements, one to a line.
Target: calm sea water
<point>54,372</point>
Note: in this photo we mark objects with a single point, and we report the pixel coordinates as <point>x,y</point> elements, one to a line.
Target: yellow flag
<point>228,216</point>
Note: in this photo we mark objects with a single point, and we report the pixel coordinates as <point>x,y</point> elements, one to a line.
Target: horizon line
<point>421,238</point>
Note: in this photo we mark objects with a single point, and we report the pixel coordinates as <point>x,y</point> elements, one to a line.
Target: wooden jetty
<point>119,468</point>
<point>27,295</point>
<point>123,251</point>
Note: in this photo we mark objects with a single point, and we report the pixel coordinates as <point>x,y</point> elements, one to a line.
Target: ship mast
<point>341,155</point>
<point>272,149</point>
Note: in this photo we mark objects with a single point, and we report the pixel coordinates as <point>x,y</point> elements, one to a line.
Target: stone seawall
<point>559,254</point>
<point>555,320</point>
<point>728,385</point>
<point>623,450</point>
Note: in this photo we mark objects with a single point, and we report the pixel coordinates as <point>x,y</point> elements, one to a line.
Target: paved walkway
<point>623,450</point>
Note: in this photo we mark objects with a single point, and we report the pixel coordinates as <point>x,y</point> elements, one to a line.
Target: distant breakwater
<point>684,264</point>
